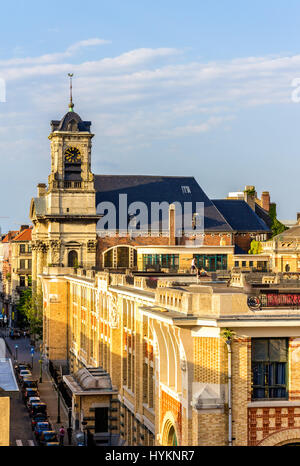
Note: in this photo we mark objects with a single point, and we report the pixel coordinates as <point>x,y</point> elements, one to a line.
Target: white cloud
<point>52,57</point>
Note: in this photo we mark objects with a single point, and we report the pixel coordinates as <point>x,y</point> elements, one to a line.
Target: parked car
<point>40,417</point>
<point>28,382</point>
<point>38,408</point>
<point>24,373</point>
<point>48,438</point>
<point>29,392</point>
<point>32,399</point>
<point>21,367</point>
<point>40,427</point>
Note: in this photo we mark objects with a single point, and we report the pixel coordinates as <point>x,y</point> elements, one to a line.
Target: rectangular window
<point>29,247</point>
<point>22,248</point>
<point>269,368</point>
<point>250,263</point>
<point>186,189</point>
<point>236,263</point>
<point>22,264</point>
<point>22,280</point>
<point>243,263</point>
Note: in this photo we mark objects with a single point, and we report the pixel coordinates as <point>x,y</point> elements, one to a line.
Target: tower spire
<point>71,105</point>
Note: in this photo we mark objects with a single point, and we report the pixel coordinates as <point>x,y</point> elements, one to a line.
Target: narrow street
<point>20,426</point>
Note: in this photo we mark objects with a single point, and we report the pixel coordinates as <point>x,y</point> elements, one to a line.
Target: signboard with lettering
<point>274,300</point>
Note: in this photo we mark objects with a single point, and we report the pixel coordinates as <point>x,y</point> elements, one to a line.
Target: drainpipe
<point>228,344</point>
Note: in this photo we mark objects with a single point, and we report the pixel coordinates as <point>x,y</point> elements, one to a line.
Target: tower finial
<point>71,105</point>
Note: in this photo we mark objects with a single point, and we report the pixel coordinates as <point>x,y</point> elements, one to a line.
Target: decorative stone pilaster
<point>54,247</point>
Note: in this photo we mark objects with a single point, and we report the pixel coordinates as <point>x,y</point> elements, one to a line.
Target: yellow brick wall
<point>4,421</point>
<point>241,389</point>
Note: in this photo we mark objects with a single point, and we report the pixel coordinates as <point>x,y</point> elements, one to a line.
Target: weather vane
<point>71,105</point>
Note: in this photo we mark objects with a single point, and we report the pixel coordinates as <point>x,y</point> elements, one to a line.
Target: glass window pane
<point>259,350</point>
<point>258,373</point>
<point>277,349</point>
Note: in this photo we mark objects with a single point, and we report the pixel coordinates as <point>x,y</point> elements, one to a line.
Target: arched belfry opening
<point>72,259</point>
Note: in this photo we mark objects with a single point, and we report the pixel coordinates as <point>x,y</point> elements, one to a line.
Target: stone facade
<point>64,214</point>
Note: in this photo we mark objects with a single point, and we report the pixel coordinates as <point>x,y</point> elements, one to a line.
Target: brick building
<point>160,345</point>
<point>68,215</point>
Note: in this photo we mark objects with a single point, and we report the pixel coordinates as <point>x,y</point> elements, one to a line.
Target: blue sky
<point>198,88</point>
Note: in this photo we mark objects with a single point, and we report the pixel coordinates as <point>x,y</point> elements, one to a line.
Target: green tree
<point>277,227</point>
<point>31,307</point>
<point>255,247</point>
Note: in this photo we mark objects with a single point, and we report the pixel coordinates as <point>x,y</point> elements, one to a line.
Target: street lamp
<point>69,429</point>
<point>58,405</point>
<point>41,369</point>
<point>16,347</point>
<point>84,423</point>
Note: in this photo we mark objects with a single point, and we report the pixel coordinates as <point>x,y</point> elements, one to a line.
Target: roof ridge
<point>149,176</point>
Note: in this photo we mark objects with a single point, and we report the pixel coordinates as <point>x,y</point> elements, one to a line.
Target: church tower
<point>64,214</point>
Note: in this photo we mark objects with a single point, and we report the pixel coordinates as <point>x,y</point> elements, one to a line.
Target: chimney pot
<point>265,200</point>
<point>41,187</point>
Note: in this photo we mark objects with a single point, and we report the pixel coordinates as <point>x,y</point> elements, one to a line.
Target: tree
<point>31,306</point>
<point>276,226</point>
<point>255,247</point>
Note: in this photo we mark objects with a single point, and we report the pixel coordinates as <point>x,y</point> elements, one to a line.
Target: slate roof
<point>264,215</point>
<point>62,125</point>
<point>149,189</point>
<point>240,216</point>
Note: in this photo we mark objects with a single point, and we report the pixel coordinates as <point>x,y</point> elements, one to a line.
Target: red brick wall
<point>104,243</point>
<point>243,240</point>
<point>265,421</point>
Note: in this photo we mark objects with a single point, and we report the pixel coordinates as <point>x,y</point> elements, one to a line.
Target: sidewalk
<point>48,394</point>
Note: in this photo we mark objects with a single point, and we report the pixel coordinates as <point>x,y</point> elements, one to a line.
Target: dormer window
<point>186,190</point>
<point>72,126</point>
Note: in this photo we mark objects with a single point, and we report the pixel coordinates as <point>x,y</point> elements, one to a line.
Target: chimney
<point>172,239</point>
<point>24,227</point>
<point>41,189</point>
<point>250,196</point>
<point>265,200</point>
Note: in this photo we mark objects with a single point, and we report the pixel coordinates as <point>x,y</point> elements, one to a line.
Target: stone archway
<point>283,437</point>
<point>72,259</point>
<point>169,436</point>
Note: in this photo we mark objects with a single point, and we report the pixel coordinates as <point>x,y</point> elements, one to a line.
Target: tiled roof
<point>239,215</point>
<point>149,189</point>
<point>10,236</point>
<point>24,235</point>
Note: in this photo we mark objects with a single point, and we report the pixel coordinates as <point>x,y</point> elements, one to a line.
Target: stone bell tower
<point>64,214</point>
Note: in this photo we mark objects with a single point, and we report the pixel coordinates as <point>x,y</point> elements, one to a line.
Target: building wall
<point>159,369</point>
<point>4,421</point>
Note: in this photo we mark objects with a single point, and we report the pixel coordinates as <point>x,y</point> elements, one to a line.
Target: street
<point>20,425</point>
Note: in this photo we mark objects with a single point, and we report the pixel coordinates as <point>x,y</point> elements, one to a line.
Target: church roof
<point>149,189</point>
<point>63,124</point>
<point>239,215</point>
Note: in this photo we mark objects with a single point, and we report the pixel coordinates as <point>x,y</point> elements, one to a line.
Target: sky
<point>196,88</point>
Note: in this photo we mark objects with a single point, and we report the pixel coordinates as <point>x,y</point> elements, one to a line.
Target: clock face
<point>72,155</point>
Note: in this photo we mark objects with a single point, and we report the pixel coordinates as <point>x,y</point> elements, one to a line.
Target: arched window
<point>72,259</point>
<point>120,257</point>
<point>172,438</point>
